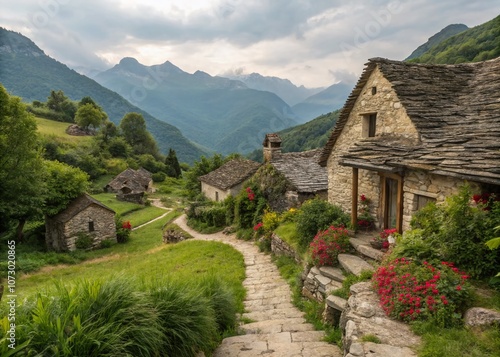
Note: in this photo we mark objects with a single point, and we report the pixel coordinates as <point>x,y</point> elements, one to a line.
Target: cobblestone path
<point>278,329</point>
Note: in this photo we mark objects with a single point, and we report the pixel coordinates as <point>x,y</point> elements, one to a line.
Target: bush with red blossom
<point>328,244</point>
<point>410,291</point>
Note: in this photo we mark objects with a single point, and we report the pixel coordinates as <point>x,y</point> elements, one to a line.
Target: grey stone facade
<point>84,215</point>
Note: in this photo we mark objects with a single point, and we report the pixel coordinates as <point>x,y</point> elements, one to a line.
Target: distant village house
<point>84,215</point>
<point>306,177</point>
<point>228,179</point>
<point>131,185</point>
<point>413,133</point>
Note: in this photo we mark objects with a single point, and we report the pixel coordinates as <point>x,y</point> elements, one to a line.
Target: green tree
<point>64,183</point>
<point>89,115</point>
<point>173,168</point>
<point>58,102</point>
<point>133,127</point>
<point>21,169</point>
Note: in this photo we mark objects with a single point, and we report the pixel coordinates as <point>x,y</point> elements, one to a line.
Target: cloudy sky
<point>312,43</point>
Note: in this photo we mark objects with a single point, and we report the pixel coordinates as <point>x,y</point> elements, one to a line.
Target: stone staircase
<point>361,318</point>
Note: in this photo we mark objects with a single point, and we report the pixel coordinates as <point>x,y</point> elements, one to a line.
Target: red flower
<point>126,225</point>
<point>257,226</point>
<point>362,198</point>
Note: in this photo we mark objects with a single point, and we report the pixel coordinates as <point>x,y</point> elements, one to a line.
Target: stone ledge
<point>354,264</point>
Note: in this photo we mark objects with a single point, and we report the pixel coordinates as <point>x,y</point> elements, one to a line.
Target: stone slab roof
<point>302,170</point>
<point>271,138</point>
<point>455,109</point>
<point>78,205</point>
<point>136,180</point>
<point>231,173</point>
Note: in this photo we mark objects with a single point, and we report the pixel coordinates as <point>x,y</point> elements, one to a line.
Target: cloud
<point>308,42</point>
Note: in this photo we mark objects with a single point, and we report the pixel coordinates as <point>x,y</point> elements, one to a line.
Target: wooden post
<point>399,213</point>
<point>354,207</point>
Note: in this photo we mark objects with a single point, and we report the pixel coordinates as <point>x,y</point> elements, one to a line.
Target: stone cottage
<point>413,133</point>
<point>131,185</point>
<point>227,179</point>
<point>301,169</point>
<point>84,215</point>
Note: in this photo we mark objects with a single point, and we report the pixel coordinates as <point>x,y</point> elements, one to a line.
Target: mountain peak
<point>128,61</point>
<point>445,33</point>
<point>14,42</point>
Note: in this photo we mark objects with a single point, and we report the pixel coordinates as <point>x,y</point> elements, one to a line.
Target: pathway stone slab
<point>353,264</point>
<point>279,328</point>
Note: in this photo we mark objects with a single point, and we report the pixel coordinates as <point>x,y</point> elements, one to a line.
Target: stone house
<point>131,185</point>
<point>84,215</point>
<point>301,169</point>
<point>413,133</point>
<point>227,179</point>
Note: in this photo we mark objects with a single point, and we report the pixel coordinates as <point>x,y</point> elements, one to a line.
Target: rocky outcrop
<point>363,316</point>
<point>478,316</point>
<point>280,247</point>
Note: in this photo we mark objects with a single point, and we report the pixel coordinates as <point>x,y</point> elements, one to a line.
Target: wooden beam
<point>399,213</point>
<point>354,207</point>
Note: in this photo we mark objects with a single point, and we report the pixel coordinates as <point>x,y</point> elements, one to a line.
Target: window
<point>374,90</point>
<point>217,196</point>
<point>91,226</point>
<point>422,201</point>
<point>369,125</point>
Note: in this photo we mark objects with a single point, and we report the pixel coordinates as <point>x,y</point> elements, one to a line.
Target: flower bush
<point>123,232</point>
<point>382,238</point>
<point>328,244</point>
<point>410,291</point>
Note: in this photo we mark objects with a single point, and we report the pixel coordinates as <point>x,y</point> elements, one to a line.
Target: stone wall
<point>213,193</point>
<point>391,120</point>
<point>436,187</point>
<point>280,247</point>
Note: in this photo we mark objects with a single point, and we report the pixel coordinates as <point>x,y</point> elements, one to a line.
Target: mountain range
<point>221,114</point>
<point>26,71</point>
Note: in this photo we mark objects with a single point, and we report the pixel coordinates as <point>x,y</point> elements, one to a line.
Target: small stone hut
<point>131,185</point>
<point>83,215</point>
<point>413,133</point>
<point>301,169</point>
<point>227,179</point>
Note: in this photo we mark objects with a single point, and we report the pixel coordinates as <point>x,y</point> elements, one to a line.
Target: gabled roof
<point>76,206</point>
<point>231,173</point>
<point>136,180</point>
<point>455,109</point>
<point>302,170</point>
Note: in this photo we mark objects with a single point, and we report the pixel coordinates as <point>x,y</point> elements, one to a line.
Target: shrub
<point>270,221</point>
<point>123,232</point>
<point>107,243</point>
<point>84,241</point>
<point>249,206</point>
<point>410,291</point>
<point>316,215</point>
<point>458,230</point>
<point>159,177</point>
<point>327,245</point>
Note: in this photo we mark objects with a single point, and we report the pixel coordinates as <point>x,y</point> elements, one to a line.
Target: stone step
<point>332,273</point>
<point>365,249</point>
<point>297,324</point>
<point>273,314</point>
<point>354,264</point>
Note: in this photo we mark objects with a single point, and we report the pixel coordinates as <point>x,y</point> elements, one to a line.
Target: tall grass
<point>119,317</point>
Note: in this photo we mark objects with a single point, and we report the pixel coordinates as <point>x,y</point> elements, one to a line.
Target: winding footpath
<point>278,329</point>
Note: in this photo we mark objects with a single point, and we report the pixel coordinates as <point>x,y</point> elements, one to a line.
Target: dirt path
<point>278,328</point>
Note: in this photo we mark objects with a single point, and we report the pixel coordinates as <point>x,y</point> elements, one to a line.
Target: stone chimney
<point>271,146</point>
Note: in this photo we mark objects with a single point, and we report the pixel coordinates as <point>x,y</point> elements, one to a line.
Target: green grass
<point>288,232</point>
<point>143,215</point>
<point>145,256</point>
<point>120,207</point>
<point>58,129</point>
<point>438,342</point>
